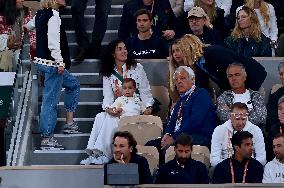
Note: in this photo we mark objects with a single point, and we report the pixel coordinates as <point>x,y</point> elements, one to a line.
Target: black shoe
<point>83,54</point>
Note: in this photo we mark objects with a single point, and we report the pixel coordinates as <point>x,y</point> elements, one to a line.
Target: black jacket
<point>194,172</point>
<point>42,51</point>
<point>163,18</point>
<point>145,176</point>
<point>222,172</point>
<point>209,36</point>
<point>250,47</point>
<point>217,58</point>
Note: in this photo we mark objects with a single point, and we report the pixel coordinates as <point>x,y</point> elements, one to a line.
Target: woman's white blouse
<point>138,74</point>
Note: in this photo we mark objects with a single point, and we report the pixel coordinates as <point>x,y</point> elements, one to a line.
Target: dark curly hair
<point>108,61</point>
<point>127,135</point>
<point>11,12</point>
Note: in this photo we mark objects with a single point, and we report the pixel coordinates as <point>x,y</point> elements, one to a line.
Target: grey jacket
<point>257,114</point>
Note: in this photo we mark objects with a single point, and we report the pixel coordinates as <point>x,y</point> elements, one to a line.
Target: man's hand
<point>119,160</point>
<point>167,140</point>
<point>208,23</point>
<point>168,34</point>
<point>281,118</point>
<point>60,70</point>
<point>12,42</point>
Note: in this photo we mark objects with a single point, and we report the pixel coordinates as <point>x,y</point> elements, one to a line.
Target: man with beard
<point>183,169</point>
<point>125,151</point>
<point>198,25</point>
<point>274,170</point>
<point>241,167</point>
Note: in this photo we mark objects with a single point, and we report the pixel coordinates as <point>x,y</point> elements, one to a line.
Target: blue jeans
<point>53,83</point>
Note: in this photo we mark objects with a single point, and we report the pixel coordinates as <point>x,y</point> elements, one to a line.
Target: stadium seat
<point>143,127</point>
<point>151,154</point>
<point>199,153</point>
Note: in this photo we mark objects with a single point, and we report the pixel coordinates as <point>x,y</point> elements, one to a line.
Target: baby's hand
<point>119,110</point>
<point>148,111</point>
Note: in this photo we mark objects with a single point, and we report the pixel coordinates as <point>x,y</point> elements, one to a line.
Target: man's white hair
<point>187,69</point>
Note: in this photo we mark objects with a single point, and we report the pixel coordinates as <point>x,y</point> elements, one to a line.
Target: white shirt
<point>140,77</point>
<point>130,105</point>
<point>223,4</point>
<point>273,172</point>
<point>271,30</point>
<point>243,98</point>
<point>221,146</point>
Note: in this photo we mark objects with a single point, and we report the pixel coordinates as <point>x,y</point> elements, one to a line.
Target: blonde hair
<point>255,27</point>
<point>191,48</point>
<point>211,12</point>
<point>48,4</point>
<point>264,11</point>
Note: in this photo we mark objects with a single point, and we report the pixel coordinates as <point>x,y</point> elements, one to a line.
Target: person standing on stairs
<point>50,61</point>
<point>87,48</point>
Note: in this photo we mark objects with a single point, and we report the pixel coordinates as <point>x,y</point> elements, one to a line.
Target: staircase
<point>90,94</point>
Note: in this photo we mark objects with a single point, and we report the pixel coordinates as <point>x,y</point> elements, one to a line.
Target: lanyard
<point>228,144</point>
<point>119,77</point>
<point>180,114</point>
<point>233,173</point>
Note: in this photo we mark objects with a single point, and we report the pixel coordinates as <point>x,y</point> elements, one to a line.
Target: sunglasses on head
<point>242,116</point>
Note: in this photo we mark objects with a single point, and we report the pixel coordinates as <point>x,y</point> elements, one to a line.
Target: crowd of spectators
<point>206,48</point>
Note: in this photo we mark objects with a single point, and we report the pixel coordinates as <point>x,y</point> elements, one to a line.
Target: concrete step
<point>88,95</point>
<point>69,141</point>
<point>109,35</point>
<point>85,125</point>
<point>87,66</point>
<point>89,78</point>
<point>90,10</point>
<point>113,22</point>
<point>63,157</point>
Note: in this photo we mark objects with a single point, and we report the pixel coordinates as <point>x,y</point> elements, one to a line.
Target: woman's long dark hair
<point>108,61</point>
<point>11,12</point>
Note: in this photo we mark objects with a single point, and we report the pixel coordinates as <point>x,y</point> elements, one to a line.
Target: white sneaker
<point>87,161</point>
<point>100,160</point>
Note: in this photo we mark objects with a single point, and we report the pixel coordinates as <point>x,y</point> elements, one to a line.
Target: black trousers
<point>101,15</point>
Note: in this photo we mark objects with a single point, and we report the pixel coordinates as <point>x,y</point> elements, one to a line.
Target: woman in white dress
<point>116,66</point>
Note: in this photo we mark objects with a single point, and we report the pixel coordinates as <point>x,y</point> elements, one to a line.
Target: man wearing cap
<point>199,25</point>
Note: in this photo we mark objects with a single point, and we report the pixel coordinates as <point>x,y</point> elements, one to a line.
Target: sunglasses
<point>239,116</point>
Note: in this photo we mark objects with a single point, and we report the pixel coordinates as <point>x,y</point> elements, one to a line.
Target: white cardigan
<point>221,144</point>
<point>142,83</point>
<point>271,30</point>
<point>223,4</point>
